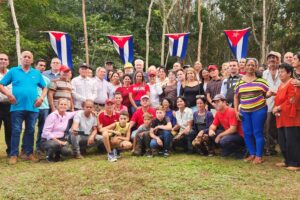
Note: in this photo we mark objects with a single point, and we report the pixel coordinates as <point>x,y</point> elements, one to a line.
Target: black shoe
<point>166,153</point>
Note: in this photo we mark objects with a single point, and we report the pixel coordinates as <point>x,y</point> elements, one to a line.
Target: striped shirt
<point>252,94</point>
<point>63,89</point>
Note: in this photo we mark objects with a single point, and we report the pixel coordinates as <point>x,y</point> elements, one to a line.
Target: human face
<point>83,71</point>
<point>162,73</point>
<point>65,75</point>
<point>41,66</point>
<point>219,105</point>
<point>296,62</point>
<point>225,67</point>
<point>176,66</point>
<point>200,105</point>
<point>272,60</point>
<point>171,76</point>
<point>109,107</point>
<point>145,102</point>
<point>109,66</point>
<point>233,67</point>
<point>120,72</point>
<point>101,73</point>
<point>288,58</point>
<point>139,77</point>
<point>152,78</point>
<point>180,103</point>
<point>90,73</point>
<point>88,107</point>
<point>283,75</point>
<point>26,59</point>
<point>126,81</point>
<point>213,73</point>
<point>115,78</point>
<point>55,64</point>
<point>205,74</point>
<point>190,75</point>
<point>118,99</point>
<point>180,76</point>
<point>4,61</point>
<point>250,67</point>
<point>128,70</point>
<point>165,104</point>
<point>242,64</point>
<point>139,66</point>
<point>62,105</point>
<point>123,119</point>
<point>160,114</point>
<point>198,66</point>
<point>147,122</point>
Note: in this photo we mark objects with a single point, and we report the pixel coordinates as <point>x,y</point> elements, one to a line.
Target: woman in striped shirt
<point>250,105</point>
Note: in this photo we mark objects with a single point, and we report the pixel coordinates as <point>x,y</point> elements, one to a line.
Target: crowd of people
<point>243,109</point>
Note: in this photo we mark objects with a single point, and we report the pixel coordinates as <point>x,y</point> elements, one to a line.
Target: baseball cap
<point>274,53</point>
<point>219,97</point>
<point>109,101</point>
<point>109,62</point>
<point>212,67</point>
<point>84,65</point>
<point>145,96</point>
<point>151,72</point>
<point>64,68</point>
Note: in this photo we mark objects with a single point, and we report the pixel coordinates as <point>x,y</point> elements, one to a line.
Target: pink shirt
<point>55,125</point>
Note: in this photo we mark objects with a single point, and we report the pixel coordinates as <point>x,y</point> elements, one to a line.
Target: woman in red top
<point>124,90</point>
<point>137,90</point>
<point>288,119</point>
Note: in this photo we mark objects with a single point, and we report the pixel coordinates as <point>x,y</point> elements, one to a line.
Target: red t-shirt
<point>125,95</point>
<point>138,90</point>
<point>227,119</point>
<point>137,116</point>
<point>106,120</point>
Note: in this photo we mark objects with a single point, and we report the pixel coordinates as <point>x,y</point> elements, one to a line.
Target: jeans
<point>253,127</point>
<point>137,103</point>
<point>5,117</point>
<point>233,143</point>
<point>166,138</point>
<point>81,142</point>
<point>17,117</point>
<point>43,113</point>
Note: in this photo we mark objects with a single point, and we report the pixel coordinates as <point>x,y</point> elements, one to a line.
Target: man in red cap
<point>214,85</point>
<point>61,88</point>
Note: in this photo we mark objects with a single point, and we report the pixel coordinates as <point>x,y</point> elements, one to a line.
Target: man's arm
<point>7,93</point>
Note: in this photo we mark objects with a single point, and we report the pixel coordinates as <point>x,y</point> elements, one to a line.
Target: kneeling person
<point>160,132</point>
<point>84,129</point>
<point>117,136</point>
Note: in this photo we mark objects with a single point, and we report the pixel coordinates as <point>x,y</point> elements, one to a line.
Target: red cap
<point>152,73</point>
<point>64,68</point>
<point>212,67</point>
<point>109,101</point>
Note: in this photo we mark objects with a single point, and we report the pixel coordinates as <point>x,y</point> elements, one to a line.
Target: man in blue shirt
<point>25,102</point>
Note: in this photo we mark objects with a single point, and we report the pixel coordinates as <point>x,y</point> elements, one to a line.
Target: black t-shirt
<point>156,123</point>
<point>190,94</point>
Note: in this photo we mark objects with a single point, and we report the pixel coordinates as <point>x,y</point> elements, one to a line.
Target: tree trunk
<point>200,24</point>
<point>17,30</point>
<point>147,33</point>
<point>85,34</point>
<point>263,41</point>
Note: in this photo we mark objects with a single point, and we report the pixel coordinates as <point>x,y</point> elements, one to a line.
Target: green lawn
<point>177,177</point>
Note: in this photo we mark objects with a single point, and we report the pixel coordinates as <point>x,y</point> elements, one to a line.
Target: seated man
<point>231,137</point>
<point>160,132</point>
<point>84,129</point>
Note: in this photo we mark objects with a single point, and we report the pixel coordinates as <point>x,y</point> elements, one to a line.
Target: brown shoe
<point>23,156</point>
<point>78,156</point>
<point>293,168</point>
<point>32,158</point>
<point>249,158</point>
<point>13,160</point>
<point>281,164</point>
<point>257,160</point>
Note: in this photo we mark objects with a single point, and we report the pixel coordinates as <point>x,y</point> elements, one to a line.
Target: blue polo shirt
<point>24,87</point>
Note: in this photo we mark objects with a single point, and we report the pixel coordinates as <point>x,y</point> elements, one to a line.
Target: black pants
<point>5,118</point>
<point>289,142</point>
<point>53,148</point>
<point>270,133</point>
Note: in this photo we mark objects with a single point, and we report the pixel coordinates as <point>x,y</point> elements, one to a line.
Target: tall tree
<point>200,24</point>
<point>148,33</point>
<point>85,34</point>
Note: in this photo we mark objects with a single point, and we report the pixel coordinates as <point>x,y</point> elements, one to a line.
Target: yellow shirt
<point>122,130</point>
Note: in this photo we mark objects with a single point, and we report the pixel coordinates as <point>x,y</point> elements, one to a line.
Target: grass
<point>178,177</point>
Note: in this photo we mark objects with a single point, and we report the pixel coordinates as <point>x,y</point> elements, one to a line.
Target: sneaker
<point>111,157</point>
<point>117,153</point>
<point>13,160</point>
<point>166,153</point>
<point>32,158</point>
<point>78,156</point>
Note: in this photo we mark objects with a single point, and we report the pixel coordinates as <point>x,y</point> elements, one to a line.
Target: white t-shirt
<point>86,124</point>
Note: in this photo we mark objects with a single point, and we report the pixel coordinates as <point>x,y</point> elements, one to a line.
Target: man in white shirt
<point>83,87</point>
<point>102,89</point>
<point>271,75</point>
<point>4,103</point>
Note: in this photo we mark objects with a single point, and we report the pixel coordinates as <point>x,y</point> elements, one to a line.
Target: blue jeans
<point>43,113</point>
<point>138,103</point>
<point>233,143</point>
<point>166,138</point>
<point>17,118</point>
<point>253,127</point>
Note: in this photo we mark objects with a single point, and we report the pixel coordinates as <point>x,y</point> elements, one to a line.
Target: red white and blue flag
<point>238,42</point>
<point>124,47</point>
<point>61,44</point>
<point>178,43</point>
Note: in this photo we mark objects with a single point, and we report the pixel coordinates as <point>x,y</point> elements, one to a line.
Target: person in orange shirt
<point>288,119</point>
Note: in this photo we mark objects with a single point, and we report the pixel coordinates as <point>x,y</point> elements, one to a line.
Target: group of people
<point>242,110</point>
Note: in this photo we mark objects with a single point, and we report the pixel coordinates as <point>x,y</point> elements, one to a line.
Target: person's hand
<point>271,93</point>
<point>74,132</point>
<point>90,140</point>
<point>200,134</point>
<point>238,116</point>
<point>296,82</point>
<point>63,143</point>
<point>218,139</point>
<point>38,102</point>
<point>211,133</point>
<point>12,99</point>
<point>159,142</point>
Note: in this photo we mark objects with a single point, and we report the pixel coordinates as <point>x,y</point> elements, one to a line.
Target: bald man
<point>25,101</point>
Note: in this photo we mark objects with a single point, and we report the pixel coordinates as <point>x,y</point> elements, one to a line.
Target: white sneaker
<point>111,157</point>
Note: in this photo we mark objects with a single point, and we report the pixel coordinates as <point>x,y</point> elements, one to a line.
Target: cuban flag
<point>61,44</point>
<point>124,47</point>
<point>178,43</point>
<point>238,42</point>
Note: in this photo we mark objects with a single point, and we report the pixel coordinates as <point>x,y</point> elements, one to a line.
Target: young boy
<point>119,107</point>
<point>117,136</point>
<point>141,142</point>
<point>160,132</point>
